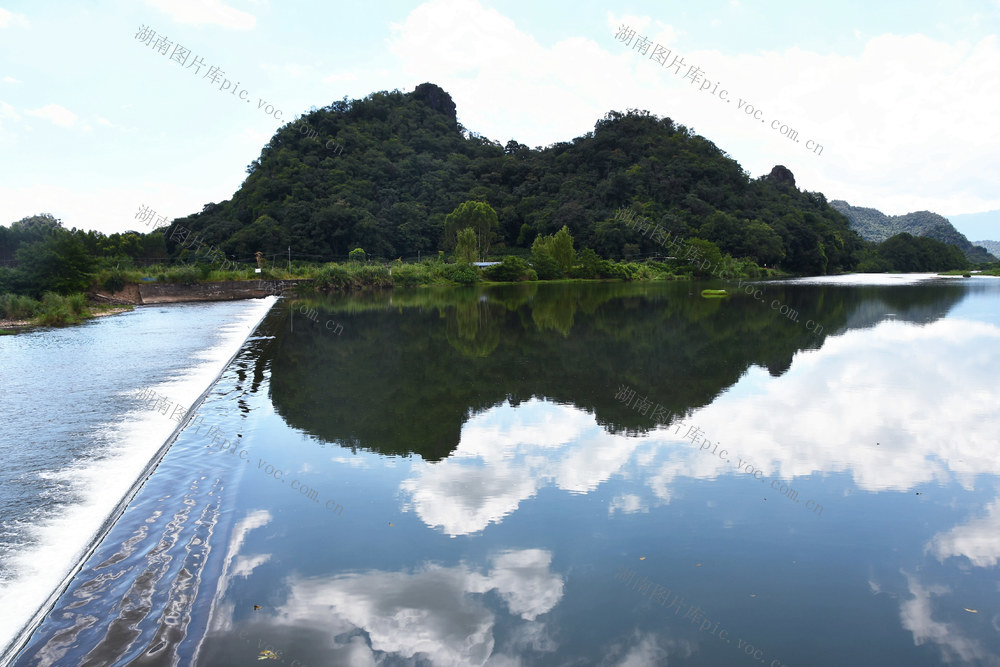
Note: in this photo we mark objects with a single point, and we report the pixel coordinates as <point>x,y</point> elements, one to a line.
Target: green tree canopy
<point>58,263</point>
<point>477,216</point>
<point>465,248</point>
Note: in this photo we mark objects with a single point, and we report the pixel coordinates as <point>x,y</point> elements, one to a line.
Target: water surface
<point>520,475</point>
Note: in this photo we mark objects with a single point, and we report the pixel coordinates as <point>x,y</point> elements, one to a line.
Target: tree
<point>45,222</point>
<point>356,255</point>
<point>561,249</point>
<point>700,256</point>
<point>478,216</point>
<point>59,263</point>
<point>760,242</point>
<point>589,265</point>
<point>465,247</point>
<point>542,260</point>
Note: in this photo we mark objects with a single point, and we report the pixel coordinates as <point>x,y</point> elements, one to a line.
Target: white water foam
<point>59,542</point>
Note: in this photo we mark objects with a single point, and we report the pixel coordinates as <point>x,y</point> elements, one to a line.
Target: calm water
<point>592,474</point>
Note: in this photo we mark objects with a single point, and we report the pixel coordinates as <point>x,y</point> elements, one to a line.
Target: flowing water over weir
<point>78,433</point>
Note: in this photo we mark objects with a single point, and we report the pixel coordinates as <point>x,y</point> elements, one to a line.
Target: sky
<point>893,104</point>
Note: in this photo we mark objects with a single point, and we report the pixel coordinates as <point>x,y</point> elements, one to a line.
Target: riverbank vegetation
<point>51,310</point>
<point>638,198</point>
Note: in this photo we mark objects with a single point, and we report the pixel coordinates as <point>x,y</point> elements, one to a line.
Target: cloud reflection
<point>826,414</point>
<point>917,617</point>
<point>437,613</point>
<point>978,540</point>
<point>505,456</point>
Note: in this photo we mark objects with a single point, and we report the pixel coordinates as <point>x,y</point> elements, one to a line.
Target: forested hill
<point>873,225</point>
<point>383,172</point>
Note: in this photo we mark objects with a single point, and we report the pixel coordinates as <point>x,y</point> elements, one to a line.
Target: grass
<point>52,310</point>
<point>358,275</point>
<point>989,271</point>
<point>17,307</point>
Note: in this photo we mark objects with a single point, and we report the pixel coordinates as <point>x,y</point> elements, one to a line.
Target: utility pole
<point>289,260</point>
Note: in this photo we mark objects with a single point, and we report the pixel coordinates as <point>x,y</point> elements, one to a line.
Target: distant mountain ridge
<point>873,225</point>
<point>992,246</point>
<point>982,225</point>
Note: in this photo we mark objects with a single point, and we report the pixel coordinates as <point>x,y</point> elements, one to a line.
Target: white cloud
<point>56,114</point>
<point>10,79</point>
<point>236,565</point>
<point>436,612</point>
<point>7,112</point>
<point>978,540</point>
<point>8,19</point>
<point>505,456</point>
<point>935,428</point>
<point>432,44</point>
<point>917,616</point>
<point>114,208</point>
<point>645,653</point>
<point>293,70</point>
<point>872,112</point>
<point>627,503</point>
<point>646,649</point>
<point>334,78</point>
<point>205,12</point>
<point>941,415</point>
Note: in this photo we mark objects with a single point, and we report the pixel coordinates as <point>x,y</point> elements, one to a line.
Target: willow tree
<point>465,248</point>
<point>477,216</point>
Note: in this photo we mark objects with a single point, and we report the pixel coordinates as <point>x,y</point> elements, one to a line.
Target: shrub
<point>619,271</point>
<point>511,269</point>
<point>334,277</point>
<point>409,275</point>
<point>463,274</point>
<point>17,307</point>
<point>545,266</point>
<point>56,310</point>
<point>644,272</point>
<point>115,282</point>
<point>77,304</point>
<point>588,265</point>
<point>185,274</point>
<point>373,275</point>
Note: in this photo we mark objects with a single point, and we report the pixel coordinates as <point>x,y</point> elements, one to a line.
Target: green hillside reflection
<point>412,365</point>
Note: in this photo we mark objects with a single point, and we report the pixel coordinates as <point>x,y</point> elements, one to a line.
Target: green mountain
<point>401,162</point>
<point>873,225</point>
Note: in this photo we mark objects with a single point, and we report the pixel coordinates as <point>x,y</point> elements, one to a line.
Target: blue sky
<point>95,124</point>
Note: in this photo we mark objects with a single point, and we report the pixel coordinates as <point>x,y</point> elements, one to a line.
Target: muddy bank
<point>148,293</point>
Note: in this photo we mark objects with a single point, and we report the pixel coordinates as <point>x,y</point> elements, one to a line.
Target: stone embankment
<point>230,290</point>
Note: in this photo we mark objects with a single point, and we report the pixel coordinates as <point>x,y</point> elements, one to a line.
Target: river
<point>802,473</point>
